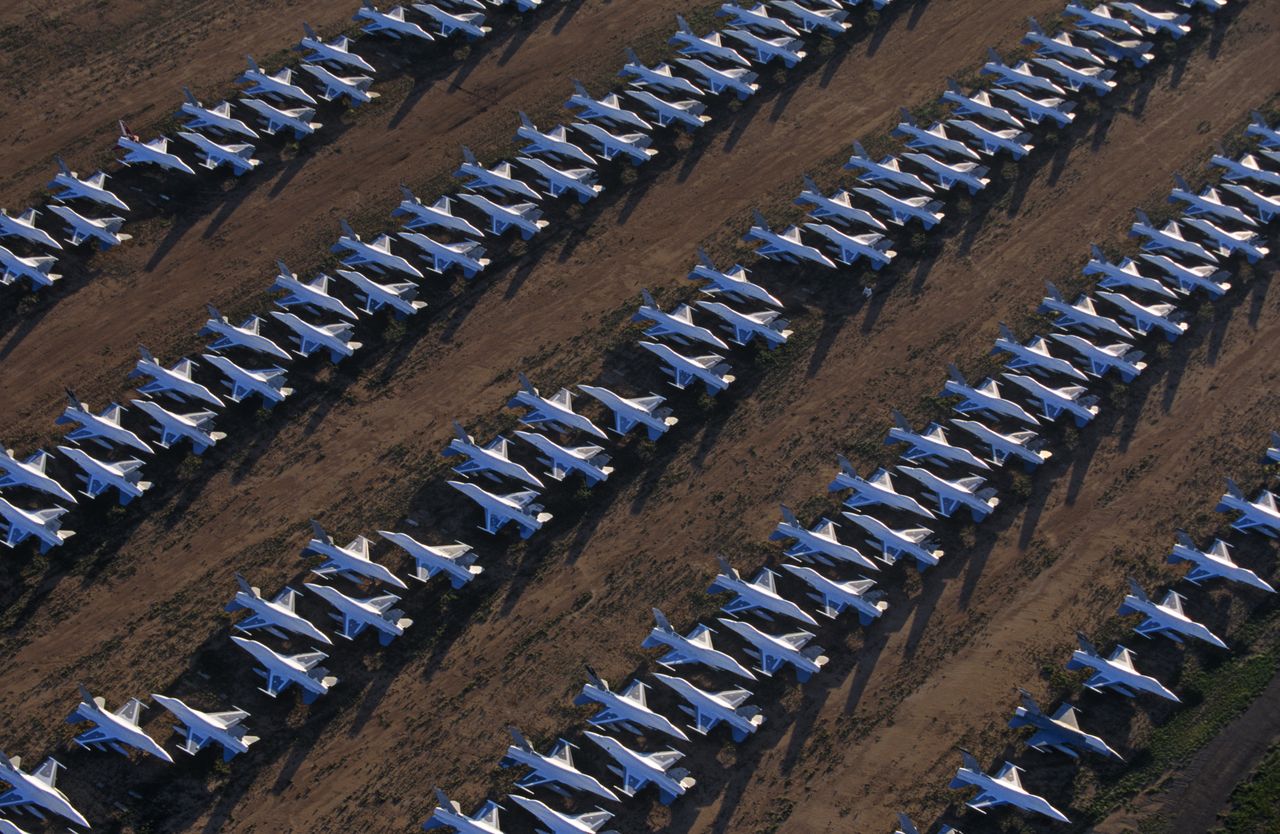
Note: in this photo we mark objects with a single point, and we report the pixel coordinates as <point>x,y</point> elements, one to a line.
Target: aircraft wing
<point>15,535</point>
<point>254,621</point>
<point>1009,774</point>
<point>13,799</point>
<point>622,424</point>
<point>1043,738</point>
<point>667,758</point>
<point>650,403</point>
<point>770,662</point>
<point>276,683</point>
<point>633,782</point>
<point>351,627</point>
<point>130,711</point>
<point>738,604</point>
<point>96,487</point>
<point>95,736</point>
<point>562,751</point>
<point>523,498</point>
<point>488,815</point>
<point>705,721</point>
<point>230,718</point>
<point>493,521</point>
<point>309,659</point>
<point>984,800</point>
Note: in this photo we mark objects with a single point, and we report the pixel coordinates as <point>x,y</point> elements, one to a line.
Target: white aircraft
<point>267,383</point>
<point>30,473</point>
<point>1005,788</point>
<point>1124,274</point>
<point>786,49</point>
<point>278,616</point>
<point>1207,202</point>
<point>557,181</point>
<point>174,428</point>
<point>1247,167</point>
<point>337,51</point>
<point>377,254</point>
<point>457,561</point>
<point>281,670</point>
<point>767,325</point>
<point>99,475</point>
<point>712,46</point>
<point>1191,278</point>
<point>279,84</point>
<point>311,337</point>
<point>659,76</point>
<point>470,24</point>
<point>992,141</point>
<point>627,708</point>
<point>399,297</point>
<point>1169,238</point>
<point>201,728</point>
<point>695,648</point>
<point>115,730</point>
<point>1023,445</point>
<point>835,596</point>
<point>1227,243</point>
<point>19,524</point>
<point>886,170</point>
<point>1267,207</point>
<point>759,595</point>
<point>106,230</point>
<point>710,369</point>
<point>1036,110</point>
<point>629,412</point>
<point>515,507</point>
<point>873,246</point>
<point>677,325</point>
<point>732,282</point>
<point>351,562</point>
<point>440,213</point>
<point>950,174</point>
<point>1059,44</point>
<point>1019,75</point>
<point>819,544</point>
<point>829,20</point>
<point>562,461</point>
<point>154,152</point>
<point>1216,562</point>
<point>1137,52</point>
<point>353,88</point>
<point>498,178</point>
<point>878,489</point>
<point>104,429</point>
<point>217,117</point>
<point>38,270</point>
<point>248,335</point>
<point>1096,79</point>
<point>903,210</point>
<point>736,80</point>
<point>836,207</point>
<point>634,146</point>
<point>24,226</point>
<point>757,16</point>
<point>952,495</point>
<point>709,709</point>
<point>526,218</point>
<point>1116,672</point>
<point>449,814</point>
<point>916,542</point>
<point>558,822</point>
<point>1034,355</point>
<point>985,397</point>
<point>467,256</point>
<point>1073,399</point>
<point>297,119</point>
<point>1165,617</point>
<point>641,769</point>
<point>785,245</point>
<point>1080,315</point>
<point>36,793</point>
<point>556,411</point>
<point>1261,515</point>
<point>934,136</point>
<point>92,188</point>
<point>774,652</point>
<point>176,382</point>
<point>492,459</point>
<point>1148,317</point>
<point>554,769</point>
<point>932,443</point>
<point>391,23</point>
<point>1269,136</point>
<point>554,143</point>
<point>1153,21</point>
<point>608,110</point>
<point>686,112</point>
<point>1126,361</point>
<point>1060,731</point>
<point>358,614</point>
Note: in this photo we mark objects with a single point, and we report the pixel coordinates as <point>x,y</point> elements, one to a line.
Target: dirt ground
<point>874,732</point>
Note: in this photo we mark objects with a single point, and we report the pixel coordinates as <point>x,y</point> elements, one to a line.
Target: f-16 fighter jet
<point>686,112</point>
<point>759,595</point>
<point>351,562</point>
<point>1081,315</point>
<point>516,507</point>
<point>19,524</point>
<point>248,335</point>
<point>771,329</point>
<point>175,382</point>
<point>1137,52</point>
<point>1005,788</point>
<point>952,495</point>
<point>557,181</point>
<point>1165,617</point>
<point>608,110</point>
<point>99,475</point>
<point>24,226</point>
<point>358,614</point>
<point>1018,75</point>
<point>116,730</point>
<point>267,383</point>
<point>932,443</point>
<point>1023,445</point>
<point>470,24</point>
<point>562,461</point>
<point>202,728</point>
<point>555,769</point>
<point>440,213</point>
<point>1261,515</point>
<point>785,245</point>
<point>629,412</point>
<point>819,544</point>
<point>916,542</point>
<point>626,708</point>
<point>524,217</point>
<point>677,325</point>
<point>1034,355</point>
<point>30,473</point>
<point>1054,402</point>
<point>1156,21</point>
<point>1124,274</point>
<point>154,152</point>
<point>1212,563</point>
<point>277,615</point>
<point>400,297</point>
<point>448,814</point>
<point>467,256</point>
<point>933,137</point>
<point>105,231</point>
<point>757,17</point>
<point>174,428</point>
<point>736,80</point>
<point>1036,110</point>
<point>391,23</point>
<point>455,560</point>
<point>491,460</point>
<point>1148,317</point>
<point>355,89</point>
<point>36,793</point>
<point>239,157</point>
<point>1168,238</point>
<point>1101,358</point>
<point>1116,672</point>
<point>710,369</point>
<point>1059,44</point>
<point>312,337</point>
<point>788,50</point>
<point>641,769</point>
<point>217,118</point>
<point>279,670</point>
<point>498,178</point>
<point>695,648</point>
<point>978,104</point>
<point>658,77</point>
<point>278,84</point>
<point>992,141</point>
<point>1094,79</point>
<point>709,709</point>
<point>710,46</point>
<point>905,826</point>
<point>950,174</point>
<point>558,822</point>
<point>104,429</point>
<point>1207,202</point>
<point>556,411</point>
<point>553,143</point>
<point>849,248</point>
<point>829,20</point>
<point>38,270</point>
<point>984,398</point>
<point>377,255</point>
<point>297,119</point>
<point>1100,17</point>
<point>337,51</point>
<point>837,207</point>
<point>634,146</point>
<point>878,489</point>
<point>886,170</point>
<point>835,596</point>
<point>1191,278</point>
<point>776,651</point>
<point>1258,126</point>
<point>1226,242</point>
<point>1060,731</point>
<point>733,282</point>
<point>1247,167</point>
<point>92,188</point>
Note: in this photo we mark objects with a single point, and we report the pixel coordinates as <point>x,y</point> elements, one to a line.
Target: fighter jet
<point>312,337</point>
<point>886,170</point>
<point>38,270</point>
<point>992,141</point>
<point>1060,731</point>
<point>1080,315</point>
<point>1207,202</point>
<point>711,46</point>
<point>1166,617</point>
<point>399,297</point>
<point>759,595</point>
<point>238,157</point>
<point>1073,399</point>
<point>353,88</point>
<point>1005,788</point>
<point>1036,110</point>
<point>736,80</point>
<point>626,708</point>
<point>556,411</point>
<point>629,412</point>
<point>104,429</point>
<point>278,84</point>
<point>498,178</point>
<point>828,20</point>
<point>337,51</point>
<point>561,461</point>
<point>557,181</point>
<point>30,473</point>
<point>1018,75</point>
<point>1059,44</point>
<point>115,730</point>
<point>24,226</point>
<point>554,769</point>
<point>516,507</point>
<point>1101,358</point>
<point>1154,22</point>
<point>746,326</point>
<point>641,769</point>
<point>932,443</point>
<point>554,143</point>
<point>1116,672</point>
<point>468,256</point>
<point>455,560</point>
<point>677,325</point>
<point>1191,278</point>
<point>838,206</point>
<point>849,248</point>
<point>526,218</point>
<point>174,428</point>
<point>1124,274</point>
<point>1034,355</point>
<point>36,793</point>
<point>492,459</point>
<point>935,136</point>
<point>952,495</point>
<point>608,110</point>
<point>390,23</point>
<point>281,670</point>
<point>448,814</point>
<point>1261,515</point>
<point>1266,207</point>
<point>686,112</point>
<point>1268,135</point>
<point>267,383</point>
<point>470,24</point>
<point>1100,17</point>
<point>916,542</point>
<point>1023,445</point>
<point>659,76</point>
<point>695,648</point>
<point>709,709</point>
<point>92,188</point>
<point>351,562</point>
<point>175,382</point>
<point>248,335</point>
<point>786,49</point>
<point>758,17</point>
<point>1149,317</point>
<point>19,524</point>
<point>558,822</point>
<point>634,146</point>
<point>201,728</point>
<point>984,398</point>
<point>978,104</point>
<point>950,174</point>
<point>785,245</point>
<point>1137,52</point>
<point>1227,243</point>
<point>1216,562</point>
<point>776,651</point>
<point>357,614</point>
<point>1095,79</point>
<point>377,255</point>
<point>836,596</point>
<point>297,119</point>
<point>710,369</point>
<point>905,826</point>
<point>1247,167</point>
<point>819,544</point>
<point>217,117</point>
<point>733,282</point>
<point>99,475</point>
<point>1169,238</point>
<point>440,213</point>
<point>277,615</point>
<point>154,152</point>
<point>105,231</point>
<point>878,489</point>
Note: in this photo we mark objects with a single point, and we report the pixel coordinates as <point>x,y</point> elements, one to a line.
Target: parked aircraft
<point>555,769</point>
<point>849,248</point>
<point>819,544</point>
<point>978,104</point>
<point>685,112</point>
<point>629,412</point>
<point>1080,315</point>
<point>176,382</point>
<point>608,109</point>
<point>826,19</point>
<point>556,411</point>
<point>30,473</point>
<point>709,709</point>
<point>933,137</point>
<point>1054,402</point>
<point>1116,672</point>
<point>277,84</point>
<point>786,49</point>
<point>36,793</point>
<point>390,23</point>
<point>280,670</point>
<point>278,616</point>
<point>1124,274</point>
<point>19,524</point>
<point>677,325</point>
<point>658,77</point>
<point>104,231</point>
<point>992,141</point>
<point>558,822</point>
<point>641,769</point>
<point>1036,110</point>
<point>878,489</point>
<point>457,561</point>
<point>633,146</point>
<point>1168,238</point>
<point>578,181</point>
<point>268,383</point>
<point>1191,278</point>
<point>92,188</point>
<point>357,614</point>
<point>950,174</point>
<point>836,207</point>
<point>516,507</point>
<point>337,51</point>
<point>985,397</point>
<point>1034,355</point>
<point>736,80</point>
<point>1213,563</point>
<point>836,596</point>
<point>888,169</point>
<point>1136,52</point>
<point>491,460</point>
<point>98,476</point>
<point>553,143</point>
<point>695,648</point>
<point>733,282</point>
<point>448,814</point>
<point>1100,17</point>
<point>1166,617</point>
<point>1026,446</point>
<point>1226,242</point>
<point>1260,515</point>
<point>400,297</point>
<point>174,428</point>
<point>626,708</point>
<point>351,562</point>
<point>932,443</point>
<point>468,256</point>
<point>1126,361</point>
<point>377,255</point>
<point>1095,79</point>
<point>248,335</point>
<point>1247,167</point>
<point>1018,75</point>
<point>297,119</point>
<point>523,217</point>
<point>916,542</point>
<point>776,651</point>
<point>499,178</point>
<point>1059,44</point>
<point>767,325</point>
<point>1005,788</point>
<point>116,730</point>
<point>470,24</point>
<point>710,369</point>
<point>355,89</point>
<point>24,226</point>
<point>1268,135</point>
<point>104,428</point>
<point>1207,202</point>
<point>334,338</point>
<point>759,595</point>
<point>561,461</point>
<point>785,245</point>
<point>154,152</point>
<point>952,495</point>
<point>758,17</point>
<point>440,213</point>
<point>1060,731</point>
<point>711,46</point>
<point>1172,23</point>
<point>903,210</point>
<point>201,728</point>
<point>1148,317</point>
<point>1266,207</point>
<point>38,269</point>
<point>217,118</point>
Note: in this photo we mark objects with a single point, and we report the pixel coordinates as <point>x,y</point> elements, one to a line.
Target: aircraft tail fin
<point>993,56</point>
<point>595,678</point>
<point>74,400</point>
<point>705,258</point>
<point>579,89</point>
<point>126,132</point>
<point>904,823</point>
<point>253,65</point>
<point>1142,216</point>
<point>346,228</point>
<point>1233,489</point>
<point>85,693</point>
<point>1184,538</point>
<point>468,156</point>
<point>1052,290</point>
<point>725,567</point>
<point>648,298</point>
<point>526,121</point>
<point>1006,333</point>
<point>900,420</point>
<point>406,193</point>
<point>520,740</point>
<point>969,760</point>
<point>810,184</point>
<point>1275,439</point>
<point>213,312</point>
<point>311,33</point>
<point>526,384</point>
<point>632,57</point>
<point>146,354</point>
<point>190,96</point>
<point>1029,703</point>
<point>955,374</point>
<point>906,116</point>
<point>789,516</point>
<point>954,86</point>
<point>319,531</point>
<point>860,151</point>
<point>62,165</point>
<point>845,466</point>
<point>1096,251</point>
<point>1086,644</point>
<point>1035,26</point>
<point>759,218</point>
<point>661,620</point>
<point>244,583</point>
<point>461,432</point>
<point>683,25</point>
